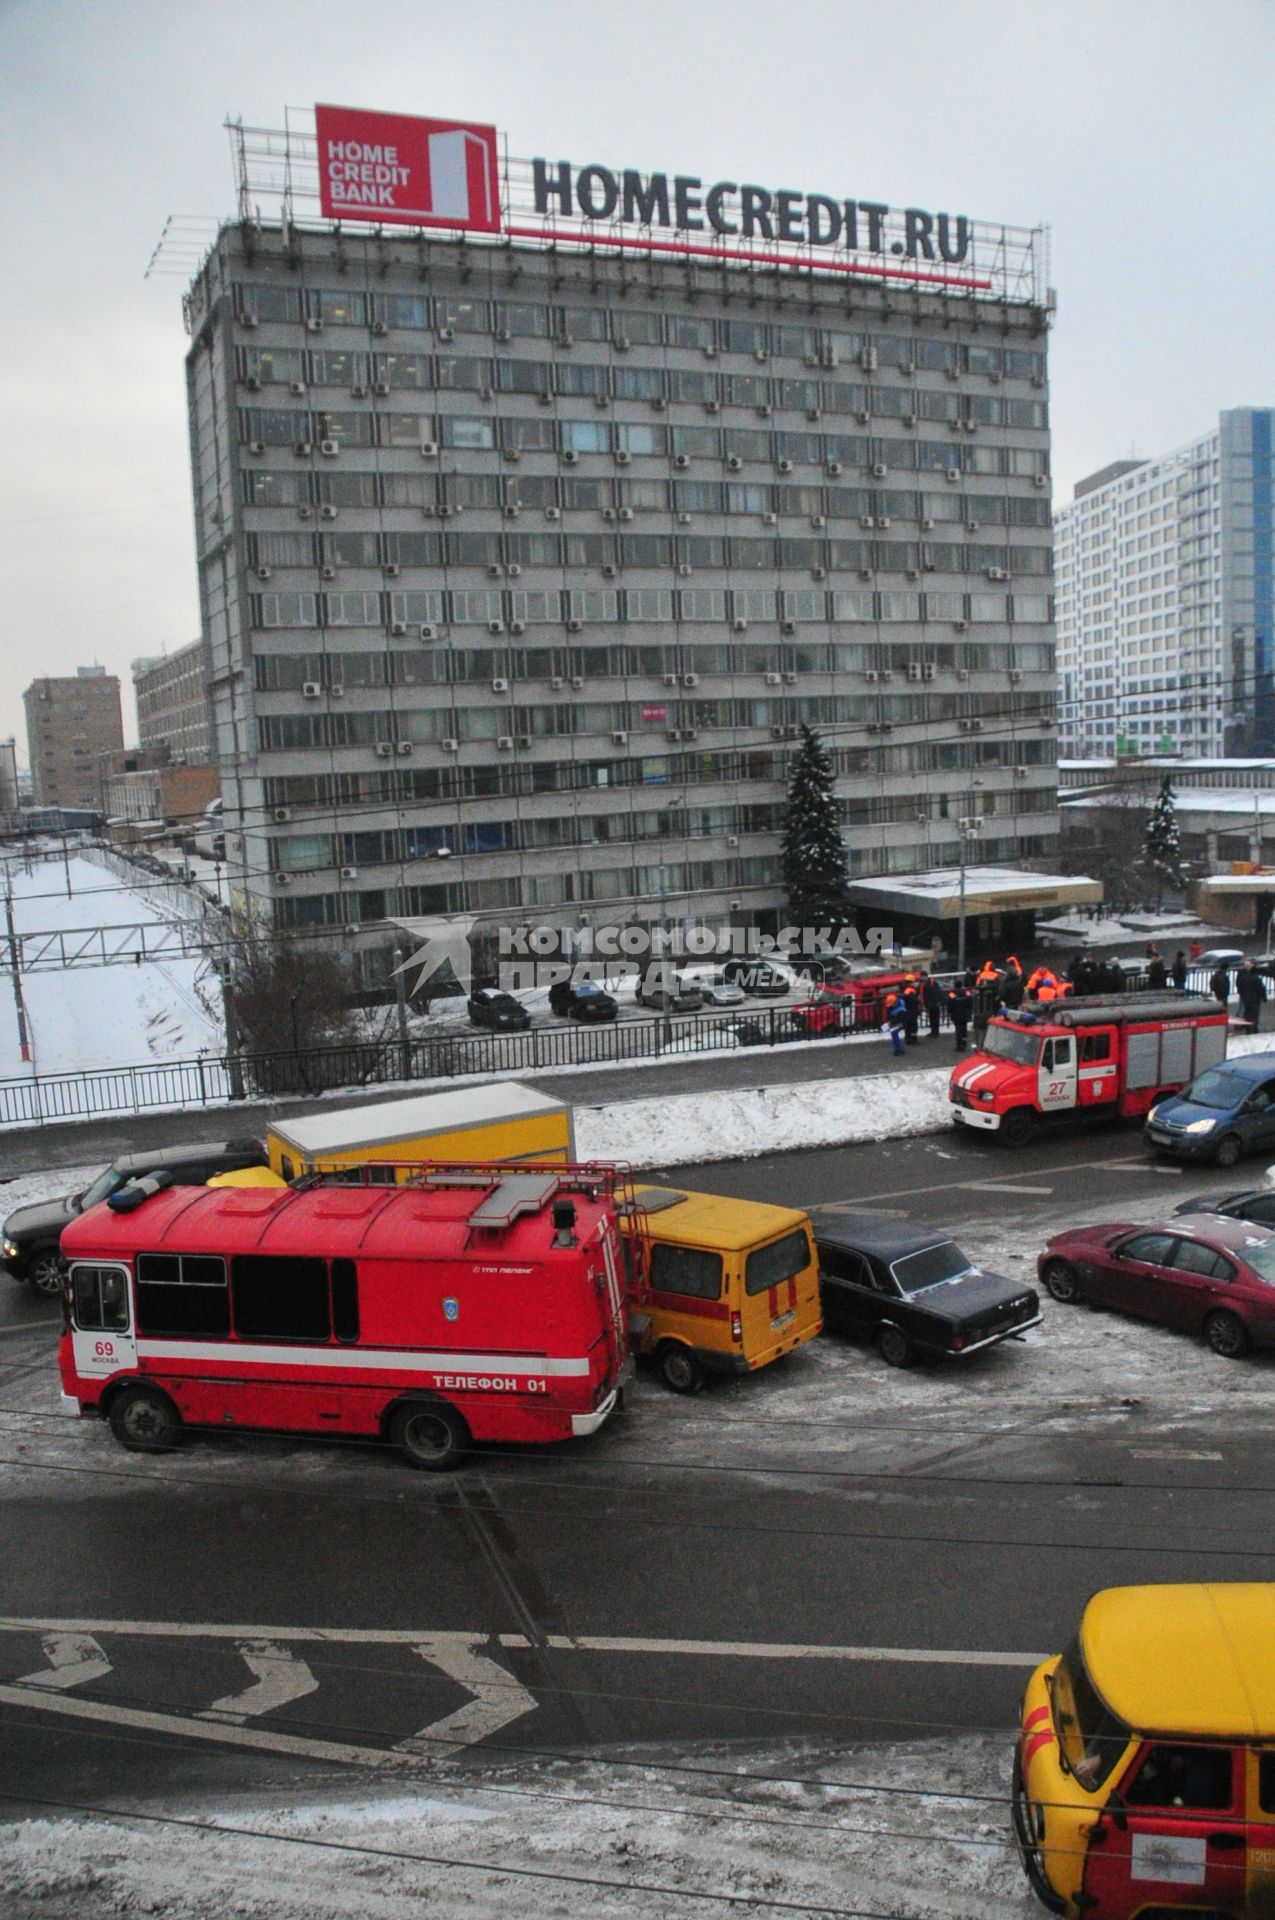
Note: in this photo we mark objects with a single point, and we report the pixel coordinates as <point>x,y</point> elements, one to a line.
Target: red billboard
<point>396,170</point>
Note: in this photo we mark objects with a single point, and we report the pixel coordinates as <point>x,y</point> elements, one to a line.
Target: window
<point>1090,1737</point>
<point>100,1298</point>
<point>1190,1257</point>
<point>182,1293</point>
<point>279,1298</point>
<point>686,1270</point>
<point>1185,1776</point>
<point>1151,1248</point>
<point>782,1260</point>
<point>345,1300</point>
<point>1095,1046</point>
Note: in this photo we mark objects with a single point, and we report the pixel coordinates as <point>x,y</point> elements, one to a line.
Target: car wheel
<point>1017,1128</point>
<point>678,1368</point>
<point>1227,1335</point>
<point>895,1347</point>
<point>432,1436</point>
<point>1228,1151</point>
<point>45,1271</point>
<point>1062,1281</point>
<point>145,1420</point>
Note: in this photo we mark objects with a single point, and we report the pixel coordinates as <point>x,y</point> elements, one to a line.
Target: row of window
<point>491,608</point>
<point>510,778</point>
<point>380,376</point>
<point>262,1297</point>
<point>624,327</point>
<point>429,493</point>
<point>309,432</point>
<point>515,892</point>
<point>574,666</point>
<point>677,719</point>
<point>398,846</point>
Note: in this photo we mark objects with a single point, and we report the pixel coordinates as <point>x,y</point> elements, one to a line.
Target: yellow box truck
<point>481,1124</point>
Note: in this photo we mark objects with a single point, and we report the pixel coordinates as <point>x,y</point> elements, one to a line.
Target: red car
<point>1200,1273</point>
<point>861,997</point>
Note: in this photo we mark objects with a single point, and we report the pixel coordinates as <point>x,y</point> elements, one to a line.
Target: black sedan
<point>1249,1203</point>
<point>913,1292</point>
<point>489,1007</point>
<point>581,1000</point>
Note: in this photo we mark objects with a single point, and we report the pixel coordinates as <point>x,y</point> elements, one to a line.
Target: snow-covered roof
<point>1244,800</point>
<point>987,890</point>
<point>415,1118</point>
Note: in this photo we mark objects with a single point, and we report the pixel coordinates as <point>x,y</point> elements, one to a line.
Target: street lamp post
<point>968,828</point>
<point>668,1002</point>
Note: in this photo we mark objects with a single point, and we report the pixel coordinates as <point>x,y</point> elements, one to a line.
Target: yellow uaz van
<point>1144,1781</point>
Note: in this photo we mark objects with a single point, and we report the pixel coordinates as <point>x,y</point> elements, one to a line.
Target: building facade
<point>1165,586</point>
<point>71,721</point>
<point>521,569</point>
<point>172,703</point>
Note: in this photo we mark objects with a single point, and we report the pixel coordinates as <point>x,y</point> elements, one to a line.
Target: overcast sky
<point>1140,131</point>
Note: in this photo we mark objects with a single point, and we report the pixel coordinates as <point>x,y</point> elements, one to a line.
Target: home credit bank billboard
<point>397,169</point>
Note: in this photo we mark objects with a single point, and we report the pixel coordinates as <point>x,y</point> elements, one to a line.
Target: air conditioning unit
<point>683,519</point>
<point>962,673</point>
<point>263,573</point>
<point>522,740</point>
<point>1015,675</point>
<point>674,733</point>
<point>927,670</point>
<point>494,572</point>
<point>305,513</point>
<point>608,513</point>
<point>770,519</point>
<point>712,406</point>
<point>517,626</point>
<point>283,879</point>
<point>626,513</point>
<point>329,448</point>
<point>733,463</point>
<point>249,320</point>
<point>429,449</point>
<point>927,525</point>
<point>973,526</point>
<point>380,329</point>
<point>740,626</point>
<point>447,333</point>
<point>384,748</point>
<point>545,399</point>
<point>690,733</point>
<point>557,683</point>
<point>670,679</point>
<point>869,359</point>
<point>336,692</point>
<point>788,626</point>
<point>622,343</point>
<point>444,512</point>
<point>314,326</point>
<point>575,626</point>
<point>311,689</point>
<point>790,679</point>
<point>867,520</point>
<point>863,416</point>
<point>952,373</point>
<point>760,354</point>
<point>817,520</point>
<point>505,742</point>
<point>349,873</point>
<point>872,675</point>
<point>865,573</point>
<point>959,625</point>
<point>1020,773</point>
<point>1040,480</point>
<point>623,458</point>
<point>814,413</point>
<point>296,386</point>
<point>328,512</point>
<point>569,459</point>
<point>997,573</point>
<point>783,466</point>
<point>512,572</point>
<point>404,746</point>
<point>690,679</point>
<point>818,573</point>
<point>953,476</point>
<point>553,513</point>
<point>914,672</point>
<point>495,626</point>
<point>710,353</point>
<point>449,745</point>
<point>909,419</point>
<point>358,393</point>
<point>512,510</point>
<point>398,628</point>
<point>610,573</point>
<point>883,520</point>
<point>834,467</point>
<point>764,410</point>
<point>685,570</point>
<point>281,814</point>
<point>774,680</point>
<point>327,573</point>
<point>658,403</point>
<point>577,681</point>
<point>392,570</point>
<point>514,454</point>
<point>682,461</point>
<point>499,685</point>
<point>253,383</point>
<point>732,839</point>
<point>619,738</point>
<point>879,470</point>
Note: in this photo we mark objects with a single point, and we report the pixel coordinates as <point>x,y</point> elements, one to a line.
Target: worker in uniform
<point>1046,988</point>
<point>1012,983</point>
<point>1178,970</point>
<point>1251,989</point>
<point>960,1005</point>
<point>895,1016</point>
<point>1157,973</point>
<point>911,1010</point>
<point>987,997</point>
<point>932,1001</point>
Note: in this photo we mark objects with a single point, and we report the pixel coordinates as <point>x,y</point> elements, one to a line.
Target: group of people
<point>906,1003</point>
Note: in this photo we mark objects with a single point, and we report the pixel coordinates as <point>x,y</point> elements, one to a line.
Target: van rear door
<point>779,1290</point>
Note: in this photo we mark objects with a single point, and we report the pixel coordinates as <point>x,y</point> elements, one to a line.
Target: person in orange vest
<point>894,1018</point>
<point>1012,983</point>
<point>1041,985</point>
<point>911,1010</point>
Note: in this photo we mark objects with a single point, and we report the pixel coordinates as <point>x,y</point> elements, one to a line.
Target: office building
<point>70,722</point>
<point>1165,600</point>
<point>523,559</point>
<point>172,703</point>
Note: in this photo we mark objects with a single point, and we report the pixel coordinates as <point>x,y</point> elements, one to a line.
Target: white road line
<point>217,1630</point>
<point>498,1698</point>
<point>1005,1185</point>
<point>1172,1453</point>
<point>761,1650</point>
<point>281,1679</point>
<point>74,1659</point>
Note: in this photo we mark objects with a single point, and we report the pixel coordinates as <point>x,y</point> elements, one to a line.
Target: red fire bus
<point>479,1303</point>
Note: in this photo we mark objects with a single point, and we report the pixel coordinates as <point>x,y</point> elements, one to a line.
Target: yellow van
<point>1144,1780</point>
<point>501,1122</point>
<point>725,1286</point>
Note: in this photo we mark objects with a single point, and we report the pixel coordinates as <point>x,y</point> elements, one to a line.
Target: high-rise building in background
<point>71,720</point>
<point>1165,587</point>
<point>172,703</point>
<point>525,553</point>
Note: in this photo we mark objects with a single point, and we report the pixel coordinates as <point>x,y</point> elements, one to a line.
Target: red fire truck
<point>1103,1054</point>
<point>478,1303</point>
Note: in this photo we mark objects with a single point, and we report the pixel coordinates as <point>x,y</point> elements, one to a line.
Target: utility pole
<point>24,1041</point>
<point>968,828</point>
<point>234,1069</point>
<point>400,997</point>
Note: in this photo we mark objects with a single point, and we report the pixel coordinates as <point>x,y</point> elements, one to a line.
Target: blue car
<point>1223,1113</point>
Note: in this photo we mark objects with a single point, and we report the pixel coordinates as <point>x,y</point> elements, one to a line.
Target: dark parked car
<point>1198,1272</point>
<point>581,1000</point>
<point>1225,1112</point>
<point>668,991</point>
<point>1251,1203</point>
<point>913,1292</point>
<point>31,1234</point>
<point>489,1007</point>
<point>757,976</point>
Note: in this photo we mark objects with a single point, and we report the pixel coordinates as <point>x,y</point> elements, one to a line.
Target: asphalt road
<point>257,1610</point>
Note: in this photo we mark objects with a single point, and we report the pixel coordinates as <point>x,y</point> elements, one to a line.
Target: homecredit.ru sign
<point>398,169</point>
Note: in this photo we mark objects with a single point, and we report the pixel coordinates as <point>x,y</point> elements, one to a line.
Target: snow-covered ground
<point>90,1016</point>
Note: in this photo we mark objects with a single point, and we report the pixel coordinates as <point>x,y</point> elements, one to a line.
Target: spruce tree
<point>814,852</point>
<point>1162,848</point>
